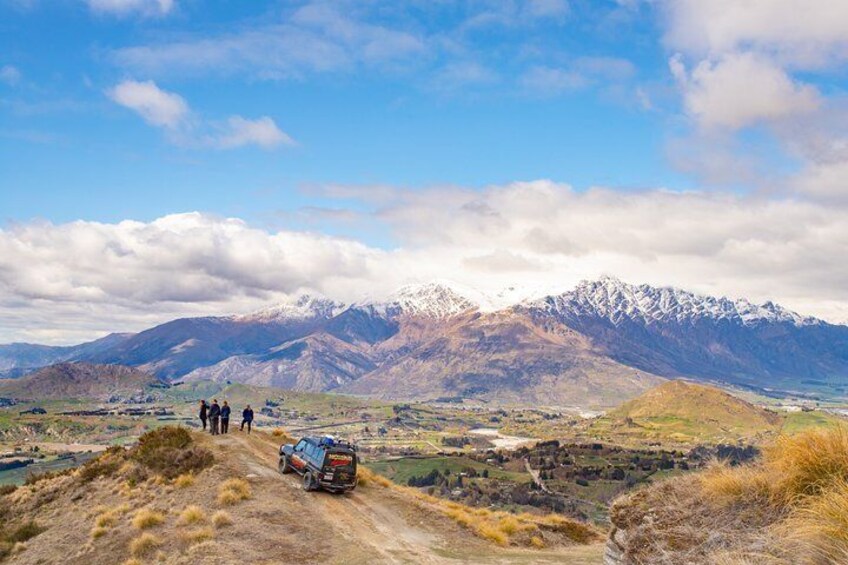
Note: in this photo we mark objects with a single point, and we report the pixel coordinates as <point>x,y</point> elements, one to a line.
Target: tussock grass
<point>221,519</point>
<point>184,481</point>
<point>132,561</point>
<point>366,477</point>
<point>98,532</point>
<point>143,545</point>
<point>191,515</point>
<point>197,535</point>
<point>147,518</point>
<point>233,491</point>
<point>789,507</point>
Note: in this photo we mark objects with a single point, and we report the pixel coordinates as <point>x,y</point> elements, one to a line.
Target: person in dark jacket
<point>247,418</point>
<point>225,417</point>
<point>204,410</point>
<point>214,417</point>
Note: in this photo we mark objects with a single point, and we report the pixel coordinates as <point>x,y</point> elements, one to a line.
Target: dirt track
<point>382,526</point>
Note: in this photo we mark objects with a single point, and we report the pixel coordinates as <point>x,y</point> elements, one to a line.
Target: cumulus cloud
<point>126,7</point>
<point>156,106</point>
<point>742,89</point>
<point>170,111</point>
<point>128,275</point>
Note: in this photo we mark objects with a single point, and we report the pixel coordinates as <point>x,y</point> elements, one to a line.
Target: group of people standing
<point>218,417</point>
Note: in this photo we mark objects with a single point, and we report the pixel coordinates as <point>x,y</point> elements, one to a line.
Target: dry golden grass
<point>197,535</point>
<point>108,517</point>
<point>147,518</point>
<point>98,532</point>
<point>278,432</point>
<point>233,491</point>
<point>366,477</point>
<point>132,561</point>
<point>184,481</point>
<point>221,519</point>
<point>191,515</point>
<point>789,507</point>
<point>144,545</point>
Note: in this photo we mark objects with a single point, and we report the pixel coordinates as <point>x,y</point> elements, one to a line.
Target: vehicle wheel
<point>285,468</point>
<point>308,484</point>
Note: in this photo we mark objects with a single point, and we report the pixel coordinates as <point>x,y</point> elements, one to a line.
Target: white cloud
<point>801,33</point>
<point>742,89</point>
<point>170,111</point>
<point>126,276</point>
<point>10,75</point>
<point>156,106</point>
<point>262,132</point>
<point>126,7</point>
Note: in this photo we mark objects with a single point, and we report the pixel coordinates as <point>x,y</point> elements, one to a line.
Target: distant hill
<point>684,411</point>
<point>80,380</point>
<point>17,359</point>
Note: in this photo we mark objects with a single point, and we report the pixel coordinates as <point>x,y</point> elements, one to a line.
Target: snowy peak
<point>430,300</point>
<point>305,307</point>
<point>617,301</point>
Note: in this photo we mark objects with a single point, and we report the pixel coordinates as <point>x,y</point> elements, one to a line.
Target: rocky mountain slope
<point>600,343</point>
<point>20,358</point>
<point>80,380</point>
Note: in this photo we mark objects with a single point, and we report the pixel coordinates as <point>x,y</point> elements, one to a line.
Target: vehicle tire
<point>308,483</point>
<point>285,468</point>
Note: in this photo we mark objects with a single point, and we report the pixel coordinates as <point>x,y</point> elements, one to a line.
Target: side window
<point>300,445</point>
<point>319,456</point>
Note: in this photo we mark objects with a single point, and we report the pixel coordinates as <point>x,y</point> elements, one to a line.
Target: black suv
<point>323,462</point>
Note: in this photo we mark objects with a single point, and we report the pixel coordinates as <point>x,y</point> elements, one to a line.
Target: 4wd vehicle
<point>323,462</point>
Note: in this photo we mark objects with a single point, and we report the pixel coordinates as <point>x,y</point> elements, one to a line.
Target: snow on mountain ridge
<point>615,300</point>
<point>305,307</point>
<point>431,300</point>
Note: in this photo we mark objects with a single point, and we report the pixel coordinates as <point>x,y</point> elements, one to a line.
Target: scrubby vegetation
<point>233,491</point>
<point>501,528</point>
<point>789,507</point>
<point>10,537</point>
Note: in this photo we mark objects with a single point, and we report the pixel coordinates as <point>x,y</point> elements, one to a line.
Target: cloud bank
<point>98,277</point>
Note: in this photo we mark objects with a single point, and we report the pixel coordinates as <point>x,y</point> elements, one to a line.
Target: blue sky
<point>357,145</point>
<point>68,151</point>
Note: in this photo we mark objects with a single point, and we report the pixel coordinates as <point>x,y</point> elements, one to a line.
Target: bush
<point>7,489</point>
<point>24,532</point>
<point>169,451</point>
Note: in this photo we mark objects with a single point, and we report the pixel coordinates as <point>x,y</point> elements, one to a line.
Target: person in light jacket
<point>247,418</point>
<point>214,417</point>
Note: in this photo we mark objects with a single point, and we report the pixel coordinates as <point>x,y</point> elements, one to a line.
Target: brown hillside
<point>79,380</point>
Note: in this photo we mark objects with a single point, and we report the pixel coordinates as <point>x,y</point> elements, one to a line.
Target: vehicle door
<point>298,457</point>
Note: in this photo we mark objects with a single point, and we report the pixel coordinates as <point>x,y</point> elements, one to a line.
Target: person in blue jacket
<point>225,417</point>
<point>247,418</point>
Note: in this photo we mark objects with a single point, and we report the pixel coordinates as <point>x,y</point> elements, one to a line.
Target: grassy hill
<point>680,411</point>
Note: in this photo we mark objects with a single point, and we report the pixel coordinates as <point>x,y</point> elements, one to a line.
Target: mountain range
<point>599,344</point>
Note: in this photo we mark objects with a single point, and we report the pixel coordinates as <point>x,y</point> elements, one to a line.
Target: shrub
<point>147,518</point>
<point>24,532</point>
<point>144,545</point>
<point>98,532</point>
<point>221,519</point>
<point>103,466</point>
<point>191,515</point>
<point>537,542</point>
<point>7,489</point>
<point>492,534</point>
<point>232,491</point>
<point>169,451</point>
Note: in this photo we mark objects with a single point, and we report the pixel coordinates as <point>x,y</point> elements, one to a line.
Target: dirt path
<point>379,525</point>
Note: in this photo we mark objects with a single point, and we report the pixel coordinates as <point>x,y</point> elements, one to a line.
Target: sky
<point>164,158</point>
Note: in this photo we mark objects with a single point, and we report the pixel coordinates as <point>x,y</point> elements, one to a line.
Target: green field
<point>400,470</point>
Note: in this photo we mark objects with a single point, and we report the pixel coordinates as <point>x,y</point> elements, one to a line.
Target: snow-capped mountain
<point>429,300</point>
<point>617,301</point>
<point>305,307</point>
<point>602,342</point>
